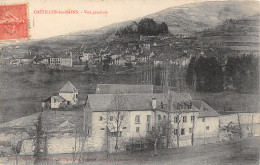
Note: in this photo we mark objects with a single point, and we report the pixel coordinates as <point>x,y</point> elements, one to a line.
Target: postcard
<point>129,82</point>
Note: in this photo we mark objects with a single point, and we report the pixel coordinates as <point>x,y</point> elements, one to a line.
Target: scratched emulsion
<point>13,22</point>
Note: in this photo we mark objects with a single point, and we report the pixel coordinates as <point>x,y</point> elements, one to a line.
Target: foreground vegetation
<point>240,153</point>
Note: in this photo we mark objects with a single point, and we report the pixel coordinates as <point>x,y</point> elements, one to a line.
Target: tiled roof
<point>204,109</point>
<point>104,102</point>
<point>68,88</point>
<point>123,88</point>
<point>131,102</point>
<point>59,98</point>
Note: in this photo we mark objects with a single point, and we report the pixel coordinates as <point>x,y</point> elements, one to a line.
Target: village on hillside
<point>179,86</point>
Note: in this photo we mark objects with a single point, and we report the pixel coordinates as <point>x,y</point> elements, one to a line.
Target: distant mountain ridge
<point>195,17</point>
<point>186,19</point>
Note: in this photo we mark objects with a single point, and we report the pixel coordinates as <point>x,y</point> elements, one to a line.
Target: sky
<point>48,25</point>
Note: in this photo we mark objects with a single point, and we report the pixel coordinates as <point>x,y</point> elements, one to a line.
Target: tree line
<point>207,74</point>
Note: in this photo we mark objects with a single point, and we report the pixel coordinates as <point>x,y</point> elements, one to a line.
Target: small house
<point>68,96</point>
<point>69,93</point>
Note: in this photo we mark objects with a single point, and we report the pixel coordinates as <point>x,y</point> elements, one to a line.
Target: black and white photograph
<point>129,82</point>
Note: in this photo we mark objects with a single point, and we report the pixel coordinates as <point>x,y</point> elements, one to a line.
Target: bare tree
<point>239,126</point>
<point>116,116</point>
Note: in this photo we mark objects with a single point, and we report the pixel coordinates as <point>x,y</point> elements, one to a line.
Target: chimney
<point>71,59</point>
<point>154,103</point>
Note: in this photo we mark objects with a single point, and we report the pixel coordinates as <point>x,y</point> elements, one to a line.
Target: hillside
<point>186,20</point>
<point>237,34</point>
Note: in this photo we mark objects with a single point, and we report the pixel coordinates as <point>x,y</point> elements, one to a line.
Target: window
<point>207,128</point>
<point>137,129</point>
<point>176,120</point>
<point>54,100</point>
<point>121,118</point>
<point>148,127</point>
<point>203,119</point>
<point>190,130</point>
<point>124,127</point>
<point>159,117</point>
<point>116,134</point>
<point>111,118</point>
<point>192,118</point>
<point>164,117</point>
<point>100,118</point>
<point>102,129</point>
<point>184,119</point>
<point>175,131</point>
<point>182,131</point>
<point>148,118</point>
<point>137,119</point>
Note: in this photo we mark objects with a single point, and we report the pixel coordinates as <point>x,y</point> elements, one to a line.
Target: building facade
<point>139,114</point>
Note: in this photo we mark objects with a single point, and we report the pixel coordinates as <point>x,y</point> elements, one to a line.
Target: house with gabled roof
<point>68,96</point>
<point>69,93</point>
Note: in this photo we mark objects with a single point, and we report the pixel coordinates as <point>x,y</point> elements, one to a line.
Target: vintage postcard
<point>129,82</point>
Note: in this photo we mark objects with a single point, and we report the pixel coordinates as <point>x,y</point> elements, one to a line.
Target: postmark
<point>14,22</point>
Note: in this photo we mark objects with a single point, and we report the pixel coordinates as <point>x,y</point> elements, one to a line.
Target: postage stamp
<point>13,22</point>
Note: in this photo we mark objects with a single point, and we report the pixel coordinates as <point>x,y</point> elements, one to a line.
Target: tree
<point>239,126</point>
<point>148,26</point>
<point>210,77</point>
<point>117,117</point>
<point>106,63</point>
<point>243,73</point>
<point>158,70</point>
<point>38,154</point>
<point>190,72</point>
<point>155,137</point>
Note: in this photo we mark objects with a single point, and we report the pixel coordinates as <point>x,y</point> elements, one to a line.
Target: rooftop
<point>131,102</point>
<point>123,88</point>
<point>204,109</point>
<point>68,88</point>
<point>143,102</point>
<point>59,98</point>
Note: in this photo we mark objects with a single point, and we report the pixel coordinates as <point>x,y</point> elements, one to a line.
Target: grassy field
<point>23,90</point>
<point>227,102</point>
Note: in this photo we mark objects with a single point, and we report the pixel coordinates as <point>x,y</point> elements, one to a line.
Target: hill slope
<point>186,19</point>
<point>241,35</point>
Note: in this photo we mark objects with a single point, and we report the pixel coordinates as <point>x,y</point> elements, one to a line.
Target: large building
<point>128,117</point>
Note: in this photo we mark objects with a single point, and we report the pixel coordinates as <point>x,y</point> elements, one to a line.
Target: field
<point>228,102</point>
<point>23,89</point>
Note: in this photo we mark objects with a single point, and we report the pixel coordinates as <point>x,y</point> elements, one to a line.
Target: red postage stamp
<point>13,22</point>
